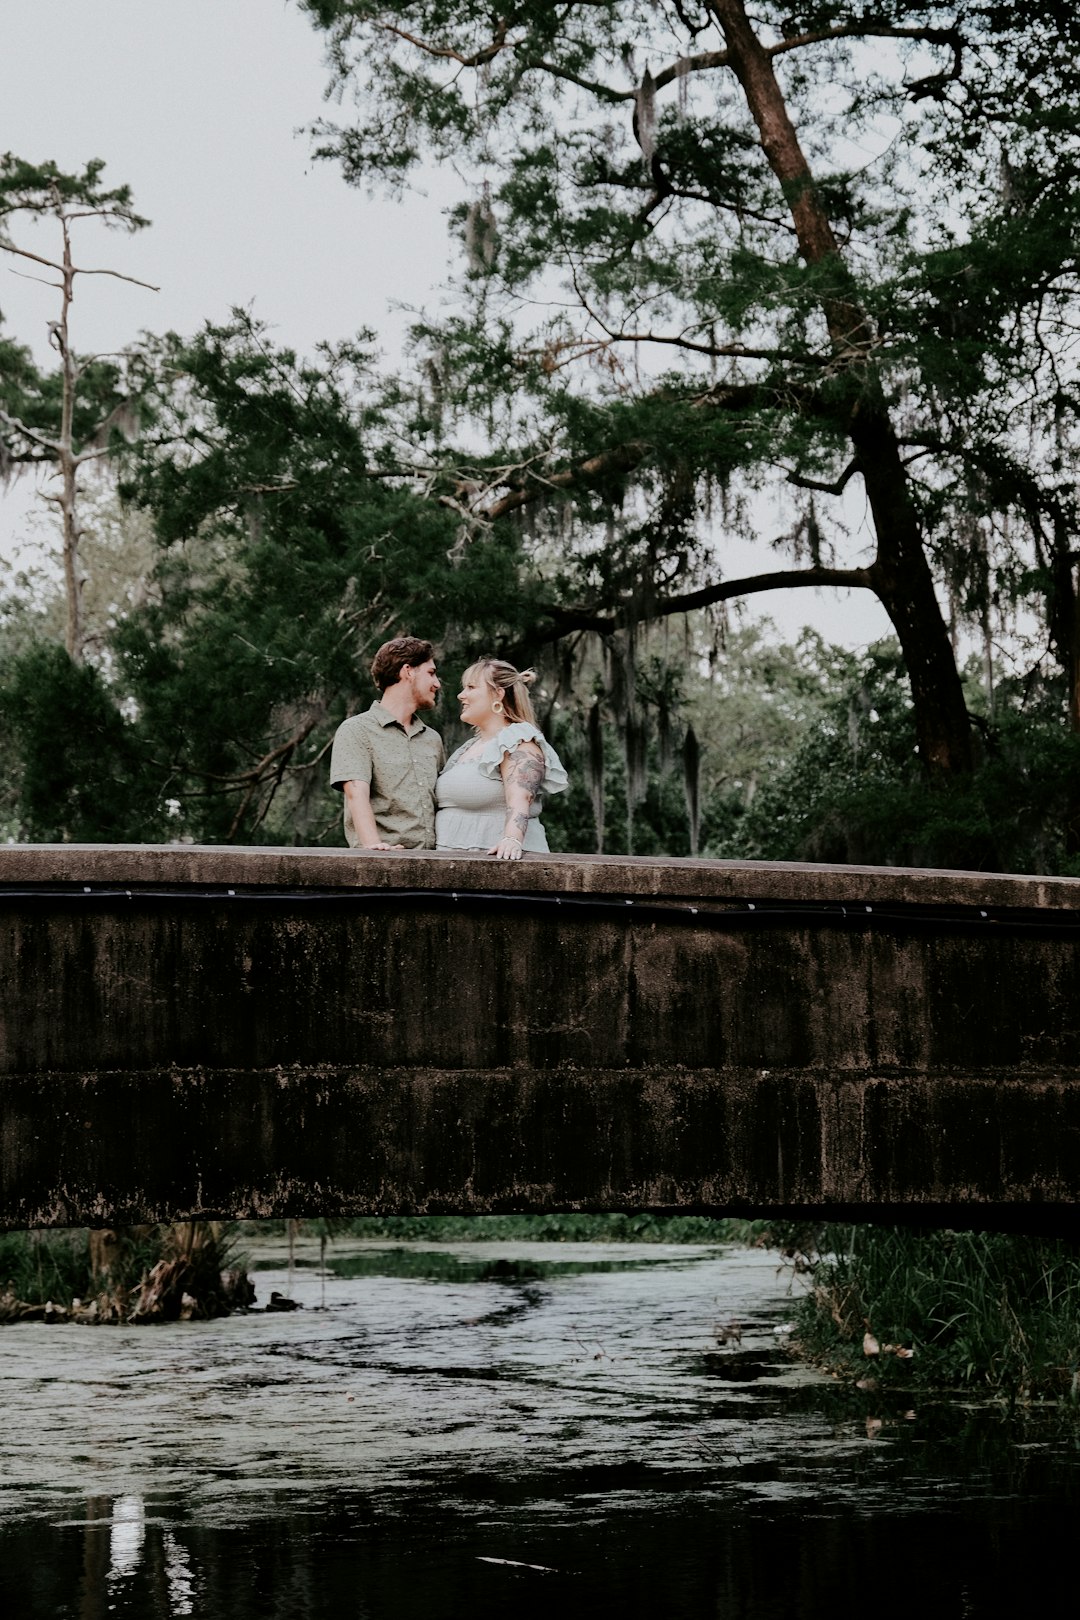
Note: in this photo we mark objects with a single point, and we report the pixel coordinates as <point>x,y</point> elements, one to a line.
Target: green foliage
<point>616,182</point>
<point>37,1266</point>
<point>851,789</point>
<point>984,1311</point>
<point>808,752</point>
<point>43,188</point>
<point>77,767</point>
<point>290,551</point>
<point>749,700</point>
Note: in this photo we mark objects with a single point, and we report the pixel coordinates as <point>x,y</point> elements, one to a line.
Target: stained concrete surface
<point>188,1031</point>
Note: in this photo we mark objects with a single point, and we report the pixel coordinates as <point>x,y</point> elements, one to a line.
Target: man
<point>386,760</point>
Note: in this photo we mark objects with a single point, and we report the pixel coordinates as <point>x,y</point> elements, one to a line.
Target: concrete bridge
<point>192,1031</point>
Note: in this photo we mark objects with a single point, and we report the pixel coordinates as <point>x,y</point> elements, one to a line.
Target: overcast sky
<point>197,104</point>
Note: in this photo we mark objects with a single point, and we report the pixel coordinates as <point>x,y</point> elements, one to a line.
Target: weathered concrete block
<point>189,1031</point>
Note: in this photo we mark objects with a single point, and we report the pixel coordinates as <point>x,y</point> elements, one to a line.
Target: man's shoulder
<point>365,723</point>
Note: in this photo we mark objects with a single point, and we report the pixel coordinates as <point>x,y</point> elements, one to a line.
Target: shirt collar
<point>385,718</point>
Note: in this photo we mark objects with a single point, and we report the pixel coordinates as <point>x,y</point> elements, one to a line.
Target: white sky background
<point>196,105</point>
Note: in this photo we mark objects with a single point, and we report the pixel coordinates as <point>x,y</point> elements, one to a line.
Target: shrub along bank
<point>978,1311</point>
<point>140,1274</point>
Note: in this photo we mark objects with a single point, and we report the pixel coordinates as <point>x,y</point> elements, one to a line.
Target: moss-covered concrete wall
<point>253,1032</point>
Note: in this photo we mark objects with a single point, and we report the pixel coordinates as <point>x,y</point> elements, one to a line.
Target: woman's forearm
<point>522,774</point>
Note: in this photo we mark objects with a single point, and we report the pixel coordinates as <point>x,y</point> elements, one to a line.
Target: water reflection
<point>429,1445</point>
<point>127,1531</point>
<point>687,1556</point>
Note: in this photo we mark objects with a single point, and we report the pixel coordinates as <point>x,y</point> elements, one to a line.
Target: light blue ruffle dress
<point>470,801</point>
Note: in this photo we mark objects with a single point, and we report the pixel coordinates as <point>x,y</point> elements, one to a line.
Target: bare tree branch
<point>24,253</point>
<point>75,270</point>
<point>24,275</point>
<point>605,92</point>
<point>735,351</point>
<point>134,280</point>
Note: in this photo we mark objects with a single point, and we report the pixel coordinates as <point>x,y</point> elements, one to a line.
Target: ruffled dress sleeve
<point>489,762</point>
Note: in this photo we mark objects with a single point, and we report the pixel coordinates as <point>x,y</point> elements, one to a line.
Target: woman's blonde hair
<point>510,685</point>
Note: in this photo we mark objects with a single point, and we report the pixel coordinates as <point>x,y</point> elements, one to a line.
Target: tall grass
<point>37,1266</point>
<point>56,1266</point>
<point>989,1312</point>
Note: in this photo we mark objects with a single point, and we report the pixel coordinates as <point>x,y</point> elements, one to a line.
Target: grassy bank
<point>145,1273</point>
<point>986,1312</point>
<point>138,1274</point>
<point>620,1228</point>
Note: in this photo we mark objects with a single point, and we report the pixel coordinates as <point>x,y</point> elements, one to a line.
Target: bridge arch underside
<point>190,1032</point>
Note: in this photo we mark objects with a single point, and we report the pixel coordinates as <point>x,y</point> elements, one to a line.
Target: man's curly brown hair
<point>393,656</point>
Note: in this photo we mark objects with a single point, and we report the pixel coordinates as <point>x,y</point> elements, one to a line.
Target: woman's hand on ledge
<point>507,849</point>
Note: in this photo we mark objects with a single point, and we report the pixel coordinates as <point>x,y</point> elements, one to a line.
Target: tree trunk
<point>68,466</point>
<point>900,574</point>
<point>1063,615</point>
<point>901,578</point>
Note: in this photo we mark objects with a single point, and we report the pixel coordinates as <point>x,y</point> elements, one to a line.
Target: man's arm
<point>358,795</point>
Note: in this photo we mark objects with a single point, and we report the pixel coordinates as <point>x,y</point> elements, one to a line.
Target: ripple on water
<point>495,1415</point>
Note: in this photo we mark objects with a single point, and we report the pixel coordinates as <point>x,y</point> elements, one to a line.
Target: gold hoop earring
<point>497,706</point>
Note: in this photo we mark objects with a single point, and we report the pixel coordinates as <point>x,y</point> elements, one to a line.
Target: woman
<point>488,795</point>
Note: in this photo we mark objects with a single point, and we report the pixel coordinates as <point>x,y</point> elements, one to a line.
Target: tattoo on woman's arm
<point>519,823</point>
<point>526,770</point>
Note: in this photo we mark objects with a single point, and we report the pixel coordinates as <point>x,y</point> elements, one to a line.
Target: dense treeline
<point>866,367</point>
<point>257,544</point>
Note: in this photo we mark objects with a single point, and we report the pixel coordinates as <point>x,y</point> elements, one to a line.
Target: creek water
<point>481,1430</point>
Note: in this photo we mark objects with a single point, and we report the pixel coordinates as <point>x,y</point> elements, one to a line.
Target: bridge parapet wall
<point>190,1031</point>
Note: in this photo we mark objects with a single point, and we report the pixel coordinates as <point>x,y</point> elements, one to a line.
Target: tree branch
<point>621,459</point>
<point>868,30</point>
<point>781,580</point>
<point>567,619</point>
<point>134,280</point>
<point>18,426</point>
<point>24,253</point>
<point>24,275</point>
<point>703,63</point>
<point>837,487</point>
<point>719,351</point>
<point>487,53</point>
<point>604,91</point>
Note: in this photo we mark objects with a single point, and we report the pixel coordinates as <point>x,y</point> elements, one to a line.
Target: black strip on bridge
<point>723,915</point>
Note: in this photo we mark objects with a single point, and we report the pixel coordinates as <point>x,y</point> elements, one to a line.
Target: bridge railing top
<point>643,877</point>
